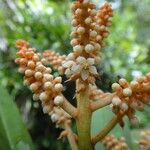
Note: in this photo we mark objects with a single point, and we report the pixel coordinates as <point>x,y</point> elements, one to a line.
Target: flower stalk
<point>83,119</point>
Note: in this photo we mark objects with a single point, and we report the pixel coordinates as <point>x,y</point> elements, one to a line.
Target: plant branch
<point>70,136</point>
<point>102,102</point>
<point>69,108</point>
<point>110,125</point>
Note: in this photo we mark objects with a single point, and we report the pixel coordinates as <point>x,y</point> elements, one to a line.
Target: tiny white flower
<point>85,67</point>
<point>68,64</point>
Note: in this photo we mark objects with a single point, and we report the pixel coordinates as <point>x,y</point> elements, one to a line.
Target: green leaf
<point>100,118</point>
<point>13,134</point>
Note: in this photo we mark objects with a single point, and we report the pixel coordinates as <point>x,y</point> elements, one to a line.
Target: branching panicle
<point>90,28</point>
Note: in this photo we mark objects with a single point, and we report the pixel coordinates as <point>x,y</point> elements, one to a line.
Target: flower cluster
<point>131,96</point>
<point>90,28</point>
<point>45,86</point>
<point>89,31</point>
<point>145,140</point>
<point>81,66</point>
<point>110,142</point>
<point>59,116</point>
<point>54,59</point>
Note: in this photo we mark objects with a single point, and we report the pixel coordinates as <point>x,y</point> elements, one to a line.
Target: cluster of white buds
<point>104,19</point>
<point>131,96</point>
<point>54,59</point>
<point>59,116</point>
<point>110,142</point>
<point>45,86</point>
<point>87,38</point>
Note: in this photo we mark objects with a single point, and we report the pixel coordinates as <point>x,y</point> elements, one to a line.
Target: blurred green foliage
<point>14,135</point>
<point>46,25</point>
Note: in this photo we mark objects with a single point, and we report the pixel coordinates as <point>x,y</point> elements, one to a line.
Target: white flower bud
<point>31,64</point>
<point>116,101</point>
<point>38,75</point>
<point>80,30</point>
<point>48,85</point>
<point>73,34</point>
<point>34,86</point>
<point>122,82</point>
<point>43,96</point>
<point>29,72</point>
<point>58,100</point>
<point>48,77</point>
<point>124,107</point>
<point>134,84</point>
<point>88,20</point>
<point>48,70</point>
<point>36,57</point>
<point>46,109</point>
<point>93,12</point>
<point>71,56</point>
<point>35,97</point>
<point>40,68</point>
<point>74,42</point>
<point>98,37</point>
<point>54,117</point>
<point>115,86</point>
<point>89,48</point>
<point>58,87</point>
<point>141,79</point>
<point>58,79</point>
<point>102,28</point>
<point>97,27</point>
<point>74,23</point>
<point>93,33</point>
<point>127,92</point>
<point>22,69</point>
<point>26,82</point>
<point>43,60</point>
<point>78,48</point>
<point>97,46</point>
<point>78,11</point>
<point>38,63</point>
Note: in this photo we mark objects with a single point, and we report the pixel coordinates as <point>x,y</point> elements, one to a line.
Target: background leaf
<point>13,134</point>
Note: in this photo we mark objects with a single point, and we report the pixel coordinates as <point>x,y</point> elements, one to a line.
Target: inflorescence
<point>90,28</point>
